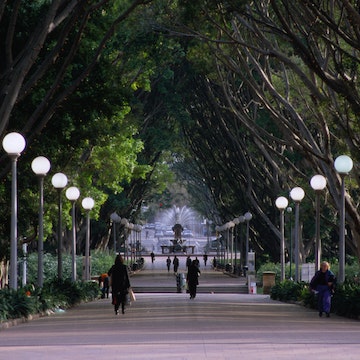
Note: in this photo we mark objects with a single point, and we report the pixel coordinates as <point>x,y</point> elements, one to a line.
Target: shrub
<point>346,300</point>
<point>16,304</point>
<point>54,294</point>
<point>287,291</point>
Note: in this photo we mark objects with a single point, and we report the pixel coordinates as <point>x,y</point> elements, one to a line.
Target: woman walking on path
<point>192,278</point>
<point>120,284</point>
<point>323,283</point>
<point>176,264</point>
<point>168,263</point>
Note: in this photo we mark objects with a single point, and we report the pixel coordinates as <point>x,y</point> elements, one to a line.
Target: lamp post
<point>236,222</point>
<point>72,194</point>
<point>87,203</point>
<point>318,183</point>
<point>115,218</point>
<point>227,229</point>
<point>281,203</point>
<point>139,240</point>
<point>241,241</point>
<point>24,277</point>
<point>125,223</point>
<point>41,166</point>
<point>208,225</point>
<point>297,194</point>
<point>13,143</point>
<point>289,211</point>
<point>248,217</point>
<point>343,165</point>
<point>131,236</point>
<point>59,182</point>
<point>231,226</point>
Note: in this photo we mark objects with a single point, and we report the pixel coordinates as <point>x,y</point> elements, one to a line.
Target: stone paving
<point>214,326</point>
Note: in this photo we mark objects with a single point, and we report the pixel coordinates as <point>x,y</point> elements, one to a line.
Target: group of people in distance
<point>175,262</point>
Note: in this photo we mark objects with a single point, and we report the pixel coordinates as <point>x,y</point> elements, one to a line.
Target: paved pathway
<point>171,326</point>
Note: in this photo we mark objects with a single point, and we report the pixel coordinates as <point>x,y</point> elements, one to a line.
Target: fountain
<point>178,218</point>
<point>176,215</point>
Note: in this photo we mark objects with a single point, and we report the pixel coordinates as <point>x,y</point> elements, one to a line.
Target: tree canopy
<point>239,101</point>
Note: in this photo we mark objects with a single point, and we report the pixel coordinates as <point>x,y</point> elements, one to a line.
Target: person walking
<point>197,262</point>
<point>192,278</point>
<point>323,284</point>
<point>152,257</point>
<point>176,264</point>
<point>205,257</point>
<point>188,261</point>
<point>168,263</point>
<point>120,284</point>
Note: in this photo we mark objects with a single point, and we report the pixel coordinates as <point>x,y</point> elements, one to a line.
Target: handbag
<point>132,295</point>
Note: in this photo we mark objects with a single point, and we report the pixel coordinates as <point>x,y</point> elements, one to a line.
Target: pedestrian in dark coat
<point>120,284</point>
<point>192,278</point>
<point>176,264</point>
<point>205,257</point>
<point>188,261</point>
<point>168,263</point>
<point>323,284</point>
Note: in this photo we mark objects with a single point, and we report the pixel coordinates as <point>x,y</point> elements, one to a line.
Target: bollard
<point>179,283</point>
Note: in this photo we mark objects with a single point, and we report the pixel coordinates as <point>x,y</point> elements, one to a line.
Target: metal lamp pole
<point>281,203</point>
<point>13,143</point>
<point>248,217</point>
<point>115,218</point>
<point>289,211</point>
<point>297,194</point>
<point>318,183</point>
<point>87,203</point>
<point>41,166</point>
<point>72,194</point>
<point>59,181</point>
<point>343,165</point>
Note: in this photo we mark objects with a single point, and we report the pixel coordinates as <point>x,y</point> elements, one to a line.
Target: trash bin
<point>180,282</point>
<point>253,289</point>
<point>268,281</point>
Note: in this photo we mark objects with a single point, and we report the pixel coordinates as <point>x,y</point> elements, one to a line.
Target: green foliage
<point>287,291</point>
<point>15,304</point>
<point>269,266</point>
<point>65,293</point>
<point>54,294</point>
<point>50,266</point>
<point>345,300</point>
<point>101,262</point>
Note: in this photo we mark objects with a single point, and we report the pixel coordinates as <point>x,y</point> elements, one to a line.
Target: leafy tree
<point>280,87</point>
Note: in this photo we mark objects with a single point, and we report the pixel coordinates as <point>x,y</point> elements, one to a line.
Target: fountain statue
<point>177,241</point>
<point>181,217</point>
